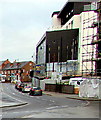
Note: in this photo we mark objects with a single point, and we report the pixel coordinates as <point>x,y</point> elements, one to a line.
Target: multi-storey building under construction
<point>91,43</point>
<point>75,36</point>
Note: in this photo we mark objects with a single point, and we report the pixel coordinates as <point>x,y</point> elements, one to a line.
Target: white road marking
<point>52,101</point>
<point>52,107</point>
<point>18,112</point>
<point>64,106</point>
<point>13,97</point>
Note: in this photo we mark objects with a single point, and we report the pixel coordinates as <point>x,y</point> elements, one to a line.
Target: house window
<point>87,7</point>
<point>67,16</point>
<point>69,25</point>
<point>30,64</point>
<point>72,24</point>
<point>23,70</point>
<point>8,72</point>
<point>72,11</point>
<point>66,27</point>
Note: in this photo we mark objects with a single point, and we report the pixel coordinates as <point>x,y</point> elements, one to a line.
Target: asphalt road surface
<point>46,106</point>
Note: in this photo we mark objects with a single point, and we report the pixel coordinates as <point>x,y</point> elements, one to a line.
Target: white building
<point>83,21</point>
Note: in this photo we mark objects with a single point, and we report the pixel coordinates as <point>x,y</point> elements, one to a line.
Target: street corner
<point>7,104</point>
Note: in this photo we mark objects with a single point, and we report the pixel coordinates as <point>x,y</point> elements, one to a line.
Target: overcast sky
<point>22,24</point>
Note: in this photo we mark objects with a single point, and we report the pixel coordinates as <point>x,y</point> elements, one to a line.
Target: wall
<point>26,70</point>
<point>56,22</point>
<point>69,89</point>
<point>3,65</point>
<point>41,53</point>
<point>46,81</point>
<point>76,23</point>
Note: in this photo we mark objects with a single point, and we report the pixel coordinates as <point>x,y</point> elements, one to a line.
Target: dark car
<point>35,91</point>
<point>19,86</point>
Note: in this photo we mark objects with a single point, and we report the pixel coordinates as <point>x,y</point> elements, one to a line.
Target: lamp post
<point>60,60</point>
<point>66,61</point>
<point>53,54</point>
<point>49,59</point>
<point>33,72</point>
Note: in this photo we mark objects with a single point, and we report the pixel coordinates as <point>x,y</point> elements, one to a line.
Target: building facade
<point>70,37</point>
<point>18,71</point>
<point>2,65</point>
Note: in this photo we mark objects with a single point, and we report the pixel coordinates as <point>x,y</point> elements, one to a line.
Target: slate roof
<point>1,62</point>
<point>15,65</point>
<point>7,66</point>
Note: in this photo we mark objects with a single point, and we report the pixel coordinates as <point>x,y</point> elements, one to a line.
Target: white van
<point>76,81</point>
<point>2,78</point>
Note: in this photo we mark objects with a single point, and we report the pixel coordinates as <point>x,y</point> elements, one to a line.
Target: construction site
<point>72,49</point>
<point>91,47</point>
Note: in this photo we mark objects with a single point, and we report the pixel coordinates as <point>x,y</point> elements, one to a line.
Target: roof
<point>1,62</point>
<point>42,39</point>
<point>7,66</point>
<point>71,5</point>
<point>15,65</point>
<point>55,12</point>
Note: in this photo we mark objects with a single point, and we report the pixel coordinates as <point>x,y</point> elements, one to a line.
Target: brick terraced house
<point>19,70</point>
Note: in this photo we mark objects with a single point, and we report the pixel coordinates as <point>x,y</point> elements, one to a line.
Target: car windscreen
<point>38,88</point>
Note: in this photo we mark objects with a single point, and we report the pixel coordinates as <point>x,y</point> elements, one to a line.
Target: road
<point>46,106</point>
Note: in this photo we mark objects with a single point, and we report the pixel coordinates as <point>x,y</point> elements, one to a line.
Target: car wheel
<point>30,93</point>
<point>41,93</point>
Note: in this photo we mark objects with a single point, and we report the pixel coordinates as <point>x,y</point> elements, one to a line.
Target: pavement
<point>4,103</point>
<point>71,96</point>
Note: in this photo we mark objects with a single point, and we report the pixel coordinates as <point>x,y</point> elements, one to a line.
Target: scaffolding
<point>91,43</point>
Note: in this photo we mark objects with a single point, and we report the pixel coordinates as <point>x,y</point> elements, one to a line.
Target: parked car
<point>2,78</point>
<point>35,91</point>
<point>26,88</point>
<point>14,81</point>
<point>19,86</point>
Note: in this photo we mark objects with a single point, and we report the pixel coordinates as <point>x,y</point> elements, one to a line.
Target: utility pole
<point>33,72</point>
